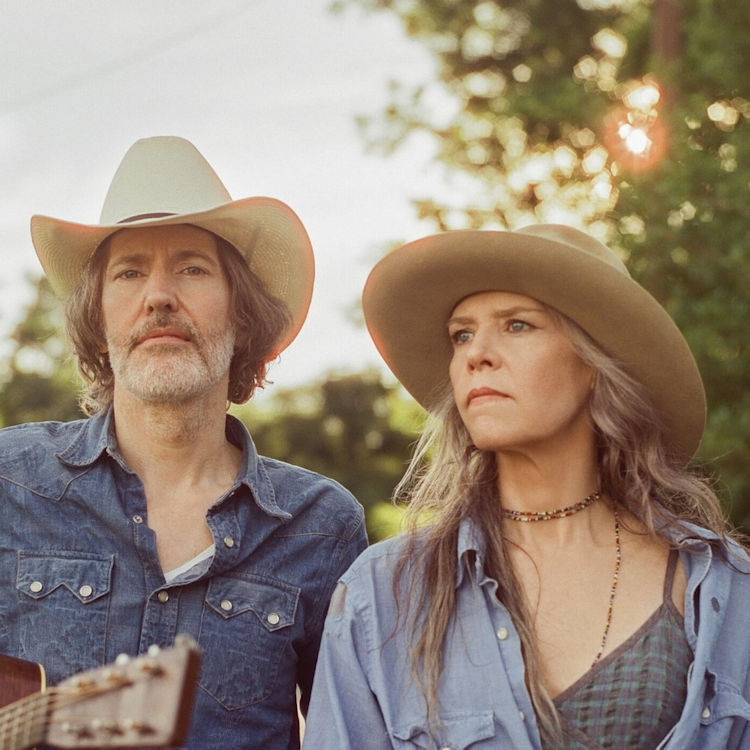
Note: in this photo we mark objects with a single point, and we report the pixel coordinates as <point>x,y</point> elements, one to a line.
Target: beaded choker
<point>548,515</point>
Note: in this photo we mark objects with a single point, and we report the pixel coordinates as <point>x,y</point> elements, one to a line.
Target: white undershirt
<point>199,558</point>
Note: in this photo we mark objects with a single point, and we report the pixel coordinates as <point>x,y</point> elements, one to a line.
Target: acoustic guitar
<point>144,701</point>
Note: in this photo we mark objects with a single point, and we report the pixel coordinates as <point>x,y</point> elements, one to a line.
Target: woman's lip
<point>477,393</point>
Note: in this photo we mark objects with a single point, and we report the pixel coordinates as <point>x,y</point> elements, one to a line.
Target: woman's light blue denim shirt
<point>80,580</point>
<point>365,698</point>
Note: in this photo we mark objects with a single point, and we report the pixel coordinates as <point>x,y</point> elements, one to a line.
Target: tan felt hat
<point>165,180</point>
<point>411,292</point>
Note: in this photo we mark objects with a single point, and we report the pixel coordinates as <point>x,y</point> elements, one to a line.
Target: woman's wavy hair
<point>449,480</point>
<point>260,320</point>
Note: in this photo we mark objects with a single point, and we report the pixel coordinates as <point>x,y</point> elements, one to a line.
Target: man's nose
<point>160,292</point>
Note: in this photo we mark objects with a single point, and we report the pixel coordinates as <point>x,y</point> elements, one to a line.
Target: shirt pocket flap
<point>726,704</point>
<point>274,604</point>
<point>454,732</point>
<point>87,577</point>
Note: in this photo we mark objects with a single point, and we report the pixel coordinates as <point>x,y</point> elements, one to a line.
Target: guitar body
<point>19,678</point>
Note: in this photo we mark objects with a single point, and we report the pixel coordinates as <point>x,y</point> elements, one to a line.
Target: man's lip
<point>171,334</point>
<point>476,393</point>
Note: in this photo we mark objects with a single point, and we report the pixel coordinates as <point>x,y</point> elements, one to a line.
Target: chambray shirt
<point>80,580</point>
<point>364,696</point>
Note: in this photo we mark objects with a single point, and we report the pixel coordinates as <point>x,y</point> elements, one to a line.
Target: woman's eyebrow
<point>505,312</point>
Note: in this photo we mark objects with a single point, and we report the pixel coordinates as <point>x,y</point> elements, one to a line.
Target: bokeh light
<point>633,132</point>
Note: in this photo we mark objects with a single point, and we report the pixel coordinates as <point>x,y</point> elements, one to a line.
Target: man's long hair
<point>259,319</point>
<point>449,480</point>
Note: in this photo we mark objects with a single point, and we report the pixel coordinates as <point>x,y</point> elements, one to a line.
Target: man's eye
<point>193,271</point>
<point>130,273</point>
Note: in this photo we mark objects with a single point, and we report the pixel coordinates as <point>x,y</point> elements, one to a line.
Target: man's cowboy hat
<point>165,180</point>
<point>411,292</point>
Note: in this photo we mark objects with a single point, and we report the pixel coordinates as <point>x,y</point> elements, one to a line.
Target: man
<point>155,516</point>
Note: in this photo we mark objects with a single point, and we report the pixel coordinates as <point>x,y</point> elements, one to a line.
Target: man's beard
<point>171,372</point>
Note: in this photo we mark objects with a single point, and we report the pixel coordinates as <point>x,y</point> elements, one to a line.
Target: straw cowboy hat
<point>412,291</point>
<point>165,180</point>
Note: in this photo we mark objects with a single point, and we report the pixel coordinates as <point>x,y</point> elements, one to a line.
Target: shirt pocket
<point>453,732</point>
<point>63,603</point>
<point>245,630</point>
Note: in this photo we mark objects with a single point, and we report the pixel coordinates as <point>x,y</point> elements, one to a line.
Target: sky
<point>267,90</point>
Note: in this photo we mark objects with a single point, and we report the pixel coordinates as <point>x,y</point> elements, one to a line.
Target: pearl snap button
<point>85,590</point>
<point>163,596</point>
<point>137,519</point>
<point>502,633</point>
<point>226,605</point>
<point>36,586</point>
<point>706,713</point>
<point>228,541</point>
<point>273,618</point>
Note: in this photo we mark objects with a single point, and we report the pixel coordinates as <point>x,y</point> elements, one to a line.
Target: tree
<point>350,427</point>
<point>626,117</point>
<point>39,379</point>
<point>353,428</point>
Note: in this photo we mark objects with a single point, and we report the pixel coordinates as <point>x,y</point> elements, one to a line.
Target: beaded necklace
<point>612,590</point>
<point>527,516</point>
<point>547,515</point>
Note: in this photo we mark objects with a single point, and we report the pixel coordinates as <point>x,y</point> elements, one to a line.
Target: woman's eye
<point>460,337</point>
<point>517,326</point>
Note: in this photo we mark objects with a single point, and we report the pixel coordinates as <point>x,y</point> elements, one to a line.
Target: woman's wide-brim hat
<point>411,292</point>
<point>165,180</point>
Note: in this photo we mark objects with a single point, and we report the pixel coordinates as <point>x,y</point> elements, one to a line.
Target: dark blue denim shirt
<point>80,580</point>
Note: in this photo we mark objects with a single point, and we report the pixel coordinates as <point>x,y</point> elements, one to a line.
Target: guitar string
<point>33,707</point>
<point>26,714</point>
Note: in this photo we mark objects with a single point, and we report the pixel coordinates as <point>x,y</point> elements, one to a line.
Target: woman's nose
<point>481,352</point>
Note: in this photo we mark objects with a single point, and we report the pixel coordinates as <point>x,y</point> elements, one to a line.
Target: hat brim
<point>411,293</point>
<point>267,233</point>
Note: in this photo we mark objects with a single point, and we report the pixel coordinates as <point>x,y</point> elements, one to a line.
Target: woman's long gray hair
<point>449,480</point>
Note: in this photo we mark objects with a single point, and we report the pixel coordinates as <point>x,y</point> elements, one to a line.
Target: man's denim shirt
<point>80,580</point>
<point>365,697</point>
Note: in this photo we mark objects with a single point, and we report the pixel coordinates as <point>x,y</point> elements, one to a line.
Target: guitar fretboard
<point>23,724</point>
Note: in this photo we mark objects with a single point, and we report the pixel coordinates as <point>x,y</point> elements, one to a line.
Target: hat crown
<point>578,240</point>
<point>162,175</point>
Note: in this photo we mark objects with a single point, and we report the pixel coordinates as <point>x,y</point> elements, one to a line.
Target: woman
<point>565,581</point>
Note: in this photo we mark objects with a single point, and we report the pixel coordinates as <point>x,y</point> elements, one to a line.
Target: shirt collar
<point>471,548</point>
<point>89,442</point>
<point>253,472</point>
<point>97,436</point>
<point>686,534</point>
<point>472,543</point>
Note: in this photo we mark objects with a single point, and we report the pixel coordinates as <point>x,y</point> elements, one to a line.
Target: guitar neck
<point>23,724</point>
<point>144,701</point>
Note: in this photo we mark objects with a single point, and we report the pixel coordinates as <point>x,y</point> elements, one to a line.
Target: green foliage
<point>539,89</point>
<point>532,89</point>
<point>38,380</point>
<point>353,428</point>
